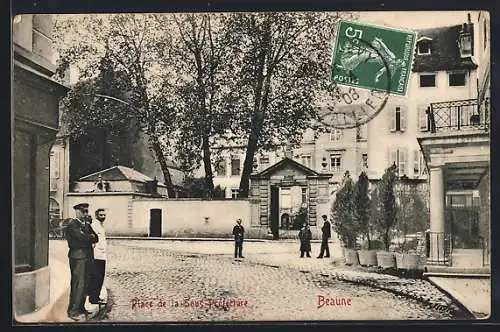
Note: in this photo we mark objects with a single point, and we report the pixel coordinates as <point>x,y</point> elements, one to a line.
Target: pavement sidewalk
<point>60,278</point>
<point>473,293</point>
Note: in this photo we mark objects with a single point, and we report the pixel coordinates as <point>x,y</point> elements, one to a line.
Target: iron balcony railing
<point>438,248</point>
<point>468,114</point>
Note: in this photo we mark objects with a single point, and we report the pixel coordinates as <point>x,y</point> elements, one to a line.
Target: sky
<point>417,19</point>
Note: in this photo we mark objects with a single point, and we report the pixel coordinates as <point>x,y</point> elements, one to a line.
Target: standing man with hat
<point>238,232</point>
<point>326,234</point>
<point>80,237</point>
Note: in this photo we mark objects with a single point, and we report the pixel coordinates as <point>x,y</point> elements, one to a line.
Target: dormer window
<point>424,46</point>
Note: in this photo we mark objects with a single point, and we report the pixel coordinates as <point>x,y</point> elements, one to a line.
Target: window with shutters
<point>399,156</point>
<point>397,119</point>
<point>235,165</point>
<point>306,160</point>
<point>423,116</point>
<point>418,163</point>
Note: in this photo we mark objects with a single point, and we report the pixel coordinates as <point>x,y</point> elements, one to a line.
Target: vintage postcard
<point>251,166</point>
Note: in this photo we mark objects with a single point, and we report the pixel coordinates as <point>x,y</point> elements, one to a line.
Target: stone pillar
<point>437,216</point>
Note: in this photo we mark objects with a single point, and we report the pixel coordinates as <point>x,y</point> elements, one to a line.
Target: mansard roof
<point>445,51</point>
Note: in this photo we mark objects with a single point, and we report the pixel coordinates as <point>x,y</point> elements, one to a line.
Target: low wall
<point>186,217</point>
<point>115,205</point>
<point>130,214</point>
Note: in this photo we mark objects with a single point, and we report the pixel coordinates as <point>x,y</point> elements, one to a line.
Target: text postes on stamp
<point>373,57</point>
<point>369,63</point>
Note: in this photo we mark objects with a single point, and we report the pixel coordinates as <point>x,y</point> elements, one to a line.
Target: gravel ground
<point>166,281</point>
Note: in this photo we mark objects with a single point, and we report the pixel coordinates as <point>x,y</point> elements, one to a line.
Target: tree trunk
<point>259,108</point>
<point>155,144</point>
<point>369,241</point>
<point>386,239</point>
<point>209,181</point>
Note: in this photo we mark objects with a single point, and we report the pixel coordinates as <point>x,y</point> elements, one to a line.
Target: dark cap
<point>324,216</point>
<point>81,206</point>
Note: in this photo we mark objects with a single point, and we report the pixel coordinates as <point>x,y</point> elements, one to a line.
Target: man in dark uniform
<point>80,237</point>
<point>238,232</point>
<point>326,229</point>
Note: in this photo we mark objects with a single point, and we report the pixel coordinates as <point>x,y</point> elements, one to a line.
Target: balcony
<point>458,115</point>
<point>458,141</point>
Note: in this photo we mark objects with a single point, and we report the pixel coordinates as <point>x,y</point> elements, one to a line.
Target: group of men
<point>305,237</point>
<point>87,259</point>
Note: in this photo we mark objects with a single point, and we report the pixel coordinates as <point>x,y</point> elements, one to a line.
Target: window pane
<point>427,80</point>
<point>365,160</point>
<point>221,168</point>
<point>235,166</point>
<point>398,118</point>
<point>424,47</point>
<point>457,79</point>
<point>306,161</point>
<point>335,161</point>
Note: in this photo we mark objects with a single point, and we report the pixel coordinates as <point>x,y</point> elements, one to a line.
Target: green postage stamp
<point>373,57</point>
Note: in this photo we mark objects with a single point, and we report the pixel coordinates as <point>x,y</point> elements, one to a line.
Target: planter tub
<point>400,261</point>
<point>351,257</point>
<point>411,261</point>
<point>367,257</point>
<point>386,259</point>
<point>407,261</point>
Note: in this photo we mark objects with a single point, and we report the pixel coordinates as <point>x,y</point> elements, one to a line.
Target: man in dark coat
<point>80,237</point>
<point>238,232</point>
<point>326,229</point>
<point>305,237</point>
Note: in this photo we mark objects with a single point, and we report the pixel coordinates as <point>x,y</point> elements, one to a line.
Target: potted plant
<point>367,256</point>
<point>386,219</point>
<point>412,219</point>
<point>344,221</point>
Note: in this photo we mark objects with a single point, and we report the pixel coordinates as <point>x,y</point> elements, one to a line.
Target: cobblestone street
<point>176,281</point>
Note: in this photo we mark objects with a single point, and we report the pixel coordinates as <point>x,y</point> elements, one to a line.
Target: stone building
<point>280,192</point>
<point>35,116</point>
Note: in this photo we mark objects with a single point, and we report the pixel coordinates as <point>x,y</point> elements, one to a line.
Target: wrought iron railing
<point>485,251</point>
<point>468,114</point>
<point>438,248</point>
